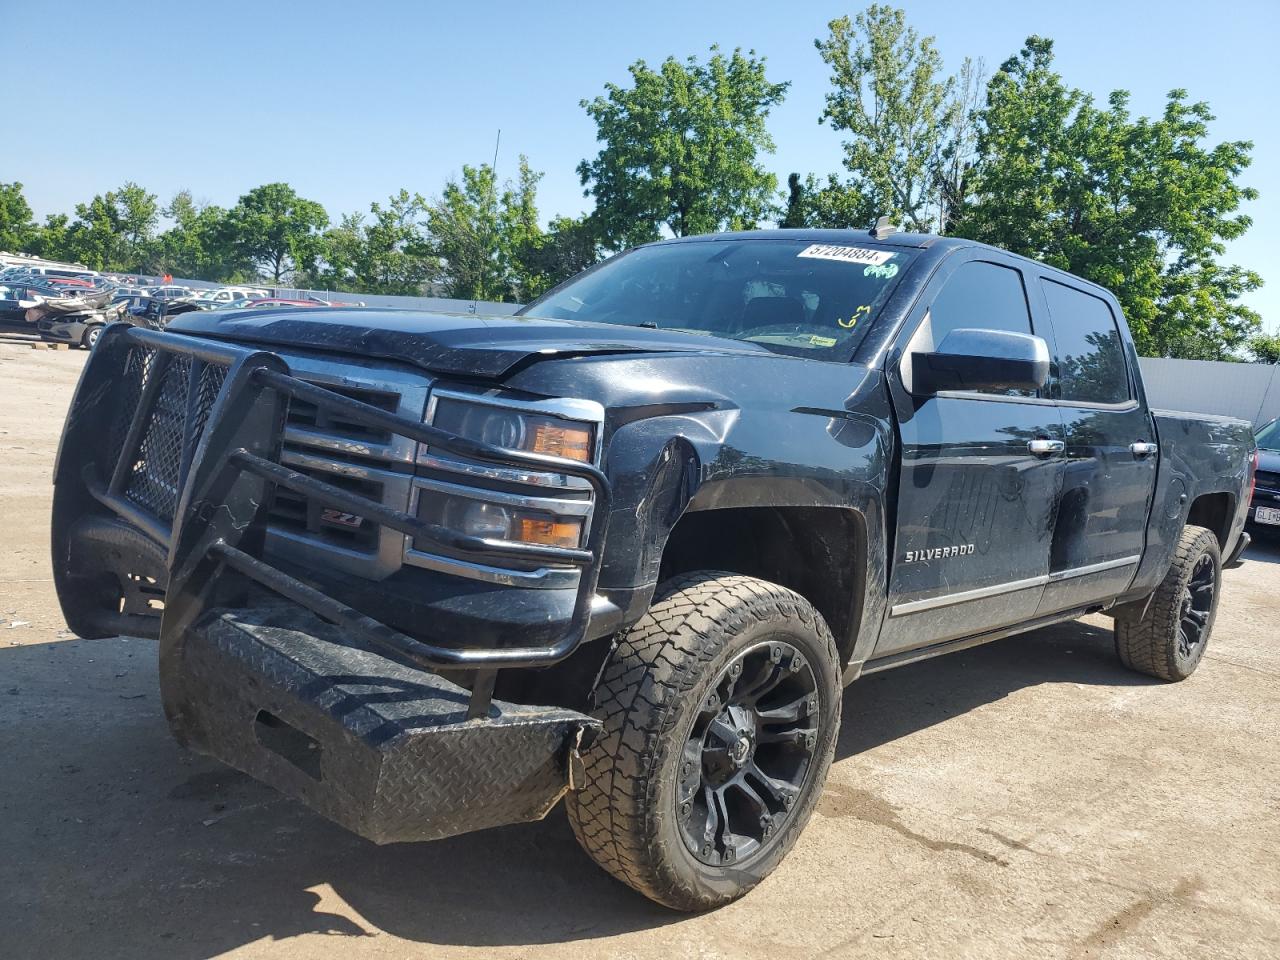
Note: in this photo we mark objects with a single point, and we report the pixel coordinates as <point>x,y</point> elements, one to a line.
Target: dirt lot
<point>1029,798</point>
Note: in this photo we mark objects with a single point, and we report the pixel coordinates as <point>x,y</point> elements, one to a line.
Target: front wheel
<point>721,708</point>
<point>90,336</point>
<point>1166,635</point>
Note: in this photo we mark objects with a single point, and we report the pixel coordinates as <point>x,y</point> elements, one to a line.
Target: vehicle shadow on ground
<point>883,707</point>
<point>1265,547</point>
<point>126,845</point>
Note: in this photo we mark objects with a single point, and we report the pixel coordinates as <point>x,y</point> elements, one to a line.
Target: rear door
<point>1100,525</point>
<point>974,501</point>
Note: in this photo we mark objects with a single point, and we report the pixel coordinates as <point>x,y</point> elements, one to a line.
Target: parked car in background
<point>1264,507</point>
<point>48,272</point>
<point>334,303</point>
<point>136,304</point>
<point>262,303</point>
<point>170,292</point>
<point>231,294</point>
<point>79,329</point>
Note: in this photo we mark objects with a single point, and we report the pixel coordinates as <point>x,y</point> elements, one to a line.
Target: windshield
<point>1269,436</point>
<point>790,296</point>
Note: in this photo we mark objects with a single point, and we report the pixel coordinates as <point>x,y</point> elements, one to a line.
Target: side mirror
<point>970,359</point>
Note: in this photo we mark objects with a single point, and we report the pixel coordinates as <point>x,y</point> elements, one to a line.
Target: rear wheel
<point>721,708</point>
<point>1166,635</point>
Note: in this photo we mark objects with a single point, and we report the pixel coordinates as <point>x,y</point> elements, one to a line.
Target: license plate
<point>1267,515</point>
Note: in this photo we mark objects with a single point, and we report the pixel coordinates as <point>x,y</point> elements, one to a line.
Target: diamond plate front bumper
<point>382,748</point>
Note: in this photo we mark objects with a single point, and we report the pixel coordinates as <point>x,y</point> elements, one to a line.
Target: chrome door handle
<point>1045,448</point>
<point>1142,449</point>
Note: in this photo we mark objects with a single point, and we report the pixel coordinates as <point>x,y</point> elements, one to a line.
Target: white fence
<point>1250,391</point>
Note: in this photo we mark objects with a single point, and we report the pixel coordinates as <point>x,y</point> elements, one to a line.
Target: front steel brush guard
<point>227,471</point>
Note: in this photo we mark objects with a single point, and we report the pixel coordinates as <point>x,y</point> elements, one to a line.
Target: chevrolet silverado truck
<point>431,573</point>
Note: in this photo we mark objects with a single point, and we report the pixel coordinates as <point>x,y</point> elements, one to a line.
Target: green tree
<point>196,246</point>
<point>680,149</point>
<point>343,248</point>
<point>1140,206</point>
<point>276,231</point>
<point>17,228</point>
<point>568,247</point>
<point>387,254</point>
<point>139,213</point>
<point>795,213</point>
<point>476,233</point>
<point>51,241</point>
<point>396,258</point>
<point>890,97</point>
<point>1265,348</point>
<point>95,237</point>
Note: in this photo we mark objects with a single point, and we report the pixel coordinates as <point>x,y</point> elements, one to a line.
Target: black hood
<point>450,343</point>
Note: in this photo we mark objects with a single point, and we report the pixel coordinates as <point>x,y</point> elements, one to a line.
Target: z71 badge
<point>938,553</point>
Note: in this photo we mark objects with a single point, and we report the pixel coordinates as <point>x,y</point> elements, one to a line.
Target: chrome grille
<point>373,463</point>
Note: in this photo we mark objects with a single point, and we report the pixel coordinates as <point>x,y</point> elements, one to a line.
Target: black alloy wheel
<point>748,752</point>
<point>1197,606</point>
<point>1165,634</point>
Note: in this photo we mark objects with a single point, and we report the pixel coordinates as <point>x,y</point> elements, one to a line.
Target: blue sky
<point>350,102</point>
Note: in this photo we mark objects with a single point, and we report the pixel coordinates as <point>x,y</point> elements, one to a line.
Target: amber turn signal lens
<point>551,533</point>
<point>562,440</point>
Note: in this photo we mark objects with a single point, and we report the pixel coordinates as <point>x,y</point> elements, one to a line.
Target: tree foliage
<point>890,97</point>
<point>276,231</point>
<point>681,148</point>
<point>478,233</point>
<point>388,253</point>
<point>1140,206</point>
<point>568,247</point>
<point>17,227</point>
<point>1265,348</point>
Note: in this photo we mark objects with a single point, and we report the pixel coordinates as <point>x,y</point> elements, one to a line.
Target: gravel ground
<point>1029,798</point>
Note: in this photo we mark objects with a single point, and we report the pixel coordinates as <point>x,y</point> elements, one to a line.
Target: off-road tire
<point>650,688</point>
<point>1147,632</point>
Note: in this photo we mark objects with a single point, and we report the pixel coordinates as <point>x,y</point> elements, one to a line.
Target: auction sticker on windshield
<point>859,255</point>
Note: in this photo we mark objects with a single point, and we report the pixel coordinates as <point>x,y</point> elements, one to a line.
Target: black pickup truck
<point>430,573</point>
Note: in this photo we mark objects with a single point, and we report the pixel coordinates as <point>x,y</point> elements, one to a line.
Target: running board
<point>889,661</point>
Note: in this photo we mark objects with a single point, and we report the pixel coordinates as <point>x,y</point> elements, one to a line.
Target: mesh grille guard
<point>199,456</point>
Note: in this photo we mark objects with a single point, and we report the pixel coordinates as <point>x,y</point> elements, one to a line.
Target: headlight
<point>496,516</point>
<point>516,429</point>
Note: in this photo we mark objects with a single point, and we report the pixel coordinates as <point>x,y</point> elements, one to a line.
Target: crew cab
<point>431,573</point>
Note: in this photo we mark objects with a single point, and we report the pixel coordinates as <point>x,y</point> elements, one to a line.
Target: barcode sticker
<point>857,255</point>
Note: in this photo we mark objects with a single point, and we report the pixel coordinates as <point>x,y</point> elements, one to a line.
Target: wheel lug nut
<point>736,670</point>
<point>813,704</point>
<point>686,808</point>
<point>797,664</point>
<point>775,654</point>
<point>706,850</point>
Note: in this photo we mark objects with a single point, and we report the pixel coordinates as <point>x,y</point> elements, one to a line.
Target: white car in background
<point>230,294</point>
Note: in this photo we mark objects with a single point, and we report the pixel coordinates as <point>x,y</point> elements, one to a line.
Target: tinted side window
<point>984,296</point>
<point>1091,367</point>
<point>981,295</point>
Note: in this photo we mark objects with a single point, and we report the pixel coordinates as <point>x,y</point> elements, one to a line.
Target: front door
<point>1101,522</point>
<point>979,479</point>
